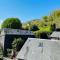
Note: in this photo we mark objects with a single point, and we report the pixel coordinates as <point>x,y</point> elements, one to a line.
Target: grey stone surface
<point>55,35</point>
<point>40,49</point>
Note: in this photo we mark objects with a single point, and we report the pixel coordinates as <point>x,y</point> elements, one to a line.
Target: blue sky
<point>27,10</point>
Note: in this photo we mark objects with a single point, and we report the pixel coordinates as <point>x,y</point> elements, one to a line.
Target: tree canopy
<point>34,28</point>
<point>11,23</point>
<point>47,23</point>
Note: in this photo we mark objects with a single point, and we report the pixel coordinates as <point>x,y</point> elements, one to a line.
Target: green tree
<point>34,28</point>
<point>11,23</point>
<point>45,18</point>
<point>53,27</point>
<point>54,15</point>
<point>37,34</point>
<point>17,43</point>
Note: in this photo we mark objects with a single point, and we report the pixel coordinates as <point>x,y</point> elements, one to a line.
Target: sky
<point>27,10</point>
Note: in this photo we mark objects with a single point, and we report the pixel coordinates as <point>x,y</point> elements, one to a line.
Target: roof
<point>33,48</point>
<point>55,34</point>
<point>23,50</point>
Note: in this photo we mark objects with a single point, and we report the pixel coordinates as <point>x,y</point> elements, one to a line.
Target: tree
<point>37,34</point>
<point>53,27</point>
<point>34,28</point>
<point>11,23</point>
<point>25,27</point>
<point>17,43</point>
<point>54,15</point>
<point>45,18</point>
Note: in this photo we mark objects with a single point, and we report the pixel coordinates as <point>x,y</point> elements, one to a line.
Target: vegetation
<point>46,24</point>
<point>12,23</point>
<point>34,28</point>
<point>17,43</point>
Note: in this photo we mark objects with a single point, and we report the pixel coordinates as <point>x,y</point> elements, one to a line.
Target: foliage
<point>11,23</point>
<point>17,43</point>
<point>25,27</point>
<point>47,23</point>
<point>9,52</point>
<point>34,28</point>
<point>45,18</point>
<point>53,27</point>
<point>42,29</point>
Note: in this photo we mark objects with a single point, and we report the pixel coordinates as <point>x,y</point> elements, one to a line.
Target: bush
<point>34,28</point>
<point>17,43</point>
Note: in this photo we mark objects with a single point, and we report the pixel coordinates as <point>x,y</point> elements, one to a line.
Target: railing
<point>17,31</point>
